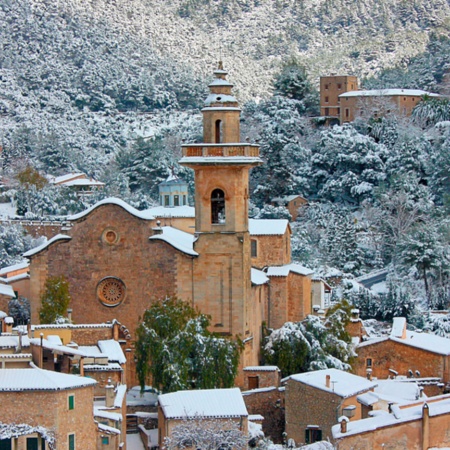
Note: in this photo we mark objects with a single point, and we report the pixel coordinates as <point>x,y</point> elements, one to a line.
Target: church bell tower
<point>222,283</point>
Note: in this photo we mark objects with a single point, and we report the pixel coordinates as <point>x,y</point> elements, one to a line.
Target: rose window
<point>111,291</point>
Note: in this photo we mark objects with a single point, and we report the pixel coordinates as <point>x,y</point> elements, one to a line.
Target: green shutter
<point>71,401</point>
<point>71,442</point>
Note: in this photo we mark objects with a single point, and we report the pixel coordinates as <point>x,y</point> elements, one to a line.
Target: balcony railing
<point>221,150</point>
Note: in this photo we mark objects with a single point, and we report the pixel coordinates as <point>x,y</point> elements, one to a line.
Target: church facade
<point>119,260</point>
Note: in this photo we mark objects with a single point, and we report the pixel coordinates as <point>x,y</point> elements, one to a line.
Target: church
<point>119,260</point>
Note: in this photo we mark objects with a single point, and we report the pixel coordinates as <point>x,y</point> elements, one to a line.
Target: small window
<point>327,111</point>
<point>347,112</point>
<point>326,87</point>
<point>369,362</point>
<point>217,206</point>
<point>339,86</point>
<point>166,200</point>
<point>105,440</point>
<point>253,382</point>
<point>338,111</point>
<point>71,441</point>
<point>326,99</point>
<point>176,200</point>
<point>218,132</point>
<point>313,435</point>
<point>5,444</point>
<point>254,248</point>
<point>184,200</point>
<point>71,402</point>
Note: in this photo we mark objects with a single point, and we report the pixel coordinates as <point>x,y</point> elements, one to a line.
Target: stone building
<point>331,87</point>
<point>40,406</point>
<point>404,352</point>
<point>316,400</point>
<point>119,260</point>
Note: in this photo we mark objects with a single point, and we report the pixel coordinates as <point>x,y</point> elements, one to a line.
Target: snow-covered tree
<point>54,300</point>
<point>206,434</point>
<point>176,349</point>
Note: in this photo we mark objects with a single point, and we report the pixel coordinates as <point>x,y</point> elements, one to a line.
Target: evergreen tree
<point>176,349</point>
<point>54,300</point>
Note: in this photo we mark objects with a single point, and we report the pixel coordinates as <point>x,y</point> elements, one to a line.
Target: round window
<point>111,291</point>
<point>110,236</point>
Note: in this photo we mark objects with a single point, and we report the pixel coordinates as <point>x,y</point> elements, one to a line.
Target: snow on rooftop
<point>108,429</point>
<point>105,414</point>
<point>258,277</point>
<point>219,98</point>
<point>58,237</point>
<point>66,177</point>
<point>20,276</point>
<point>91,351</point>
<point>220,82</point>
<point>401,414</point>
<point>56,347</point>
<point>113,201</point>
<point>220,159</point>
<point>425,341</point>
<point>398,327</point>
<point>7,211</point>
<point>178,239</point>
<point>204,403</point>
<point>262,368</point>
<point>113,349</point>
<point>6,289</point>
<point>12,341</point>
<point>39,379</point>
<point>83,182</point>
<point>388,92</point>
<point>176,211</point>
<point>121,391</point>
<point>110,367</point>
<point>267,227</point>
<point>342,383</point>
<point>283,271</point>
<point>19,266</point>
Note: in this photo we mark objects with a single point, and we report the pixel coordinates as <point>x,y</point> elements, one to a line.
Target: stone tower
<point>222,284</point>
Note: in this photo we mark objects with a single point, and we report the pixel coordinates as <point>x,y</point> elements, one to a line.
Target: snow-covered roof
<point>6,289</point>
<point>83,182</point>
<point>398,327</point>
<point>35,379</point>
<point>110,367</point>
<point>342,383</point>
<point>66,177</point>
<point>388,92</point>
<point>58,237</point>
<point>107,429</point>
<point>178,239</point>
<point>220,82</point>
<point>262,368</point>
<point>19,266</point>
<point>267,227</point>
<point>113,349</point>
<point>20,276</point>
<point>219,403</point>
<point>283,271</point>
<point>71,326</point>
<point>55,347</point>
<point>91,351</point>
<point>113,201</point>
<point>175,211</point>
<point>286,198</point>
<point>401,413</point>
<point>105,414</point>
<point>424,341</point>
<point>12,341</point>
<point>258,277</point>
<point>221,159</point>
<point>121,391</point>
<point>219,98</point>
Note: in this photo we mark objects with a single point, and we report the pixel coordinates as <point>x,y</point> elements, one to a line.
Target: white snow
<point>262,368</point>
<point>283,271</point>
<point>98,412</point>
<point>398,327</point>
<point>19,266</point>
<point>342,383</point>
<point>178,239</point>
<point>58,237</point>
<point>219,98</point>
<point>220,160</point>
<point>267,227</point>
<point>388,92</point>
<point>7,290</point>
<point>7,211</point>
<point>12,341</point>
<point>113,349</point>
<point>63,349</point>
<point>176,211</point>
<point>258,277</point>
<point>40,379</point>
<point>210,403</point>
<point>134,442</point>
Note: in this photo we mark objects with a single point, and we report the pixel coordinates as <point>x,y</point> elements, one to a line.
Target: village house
<point>79,182</point>
<point>404,352</point>
<point>331,87</point>
<point>119,260</point>
<point>421,425</point>
<point>39,407</point>
<point>291,202</point>
<point>315,401</point>
<point>218,407</point>
<point>18,277</point>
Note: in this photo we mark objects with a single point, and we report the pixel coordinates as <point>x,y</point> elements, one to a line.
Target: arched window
<point>217,206</point>
<point>218,132</point>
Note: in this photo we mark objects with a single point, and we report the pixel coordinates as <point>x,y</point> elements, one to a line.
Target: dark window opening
<point>166,200</point>
<point>326,86</point>
<point>176,200</point>
<point>184,200</point>
<point>369,362</point>
<point>5,444</point>
<point>71,401</point>
<point>217,206</point>
<point>339,86</point>
<point>253,383</point>
<point>218,133</point>
<point>326,99</point>
<point>254,248</point>
<point>327,111</point>
<point>71,442</point>
<point>313,435</point>
<point>347,112</point>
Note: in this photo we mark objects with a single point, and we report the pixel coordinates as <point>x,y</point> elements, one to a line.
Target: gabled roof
<point>113,349</point>
<point>182,241</point>
<point>35,379</point>
<point>342,383</point>
<point>267,227</point>
<point>58,237</point>
<point>208,403</point>
<point>6,289</point>
<point>283,271</point>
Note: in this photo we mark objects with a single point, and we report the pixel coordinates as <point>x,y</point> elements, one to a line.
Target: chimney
<point>109,389</point>
<point>69,315</point>
<point>9,322</point>
<point>115,330</point>
<point>157,229</point>
<point>41,351</point>
<point>29,328</point>
<point>19,338</point>
<point>343,420</point>
<point>328,381</point>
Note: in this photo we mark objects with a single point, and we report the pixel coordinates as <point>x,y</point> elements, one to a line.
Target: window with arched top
<point>218,132</point>
<point>217,206</point>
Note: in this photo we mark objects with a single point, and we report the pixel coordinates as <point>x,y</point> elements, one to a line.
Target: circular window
<point>110,236</point>
<point>111,291</point>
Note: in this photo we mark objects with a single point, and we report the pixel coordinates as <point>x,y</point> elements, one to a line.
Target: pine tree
<point>54,300</point>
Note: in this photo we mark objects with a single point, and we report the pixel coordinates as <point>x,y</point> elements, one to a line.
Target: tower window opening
<point>176,200</point>
<point>217,206</point>
<point>218,133</point>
